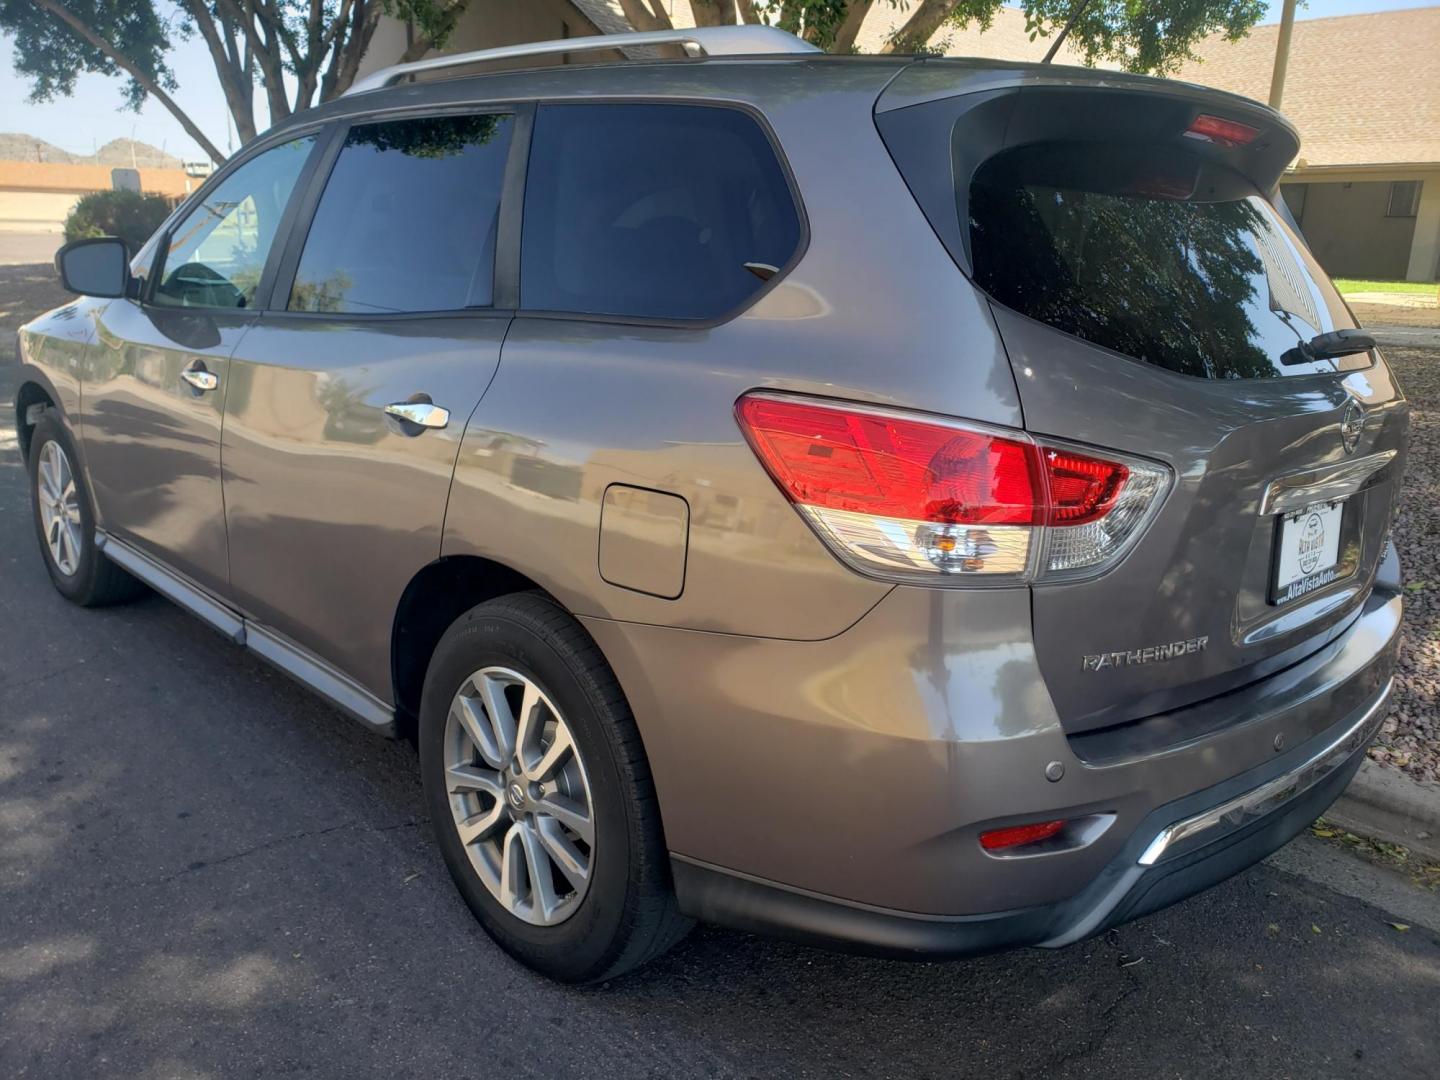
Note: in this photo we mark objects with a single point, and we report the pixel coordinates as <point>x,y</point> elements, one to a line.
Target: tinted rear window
<point>652,211</point>
<point>408,218</point>
<point>1151,253</point>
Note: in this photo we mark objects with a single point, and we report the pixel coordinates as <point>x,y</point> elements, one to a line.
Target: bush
<point>127,214</point>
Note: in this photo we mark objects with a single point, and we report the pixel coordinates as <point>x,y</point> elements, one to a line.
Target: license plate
<point>1308,551</point>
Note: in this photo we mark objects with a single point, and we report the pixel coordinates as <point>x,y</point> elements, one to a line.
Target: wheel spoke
<point>575,866</point>
<point>556,753</point>
<point>502,723</point>
<point>528,726</point>
<point>481,825</point>
<point>469,712</point>
<point>537,866</point>
<point>471,778</point>
<point>512,869</point>
<point>570,814</point>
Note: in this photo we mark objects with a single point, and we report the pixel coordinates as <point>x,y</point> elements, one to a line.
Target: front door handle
<point>200,379</point>
<point>420,413</point>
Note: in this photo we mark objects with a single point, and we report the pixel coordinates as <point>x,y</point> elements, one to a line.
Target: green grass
<point>1353,285</point>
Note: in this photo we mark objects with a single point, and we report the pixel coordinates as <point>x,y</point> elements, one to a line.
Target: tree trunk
<point>55,8</point>
<point>645,15</point>
<point>231,75</point>
<point>714,12</point>
<point>921,25</point>
<point>748,14</point>
<point>855,12</point>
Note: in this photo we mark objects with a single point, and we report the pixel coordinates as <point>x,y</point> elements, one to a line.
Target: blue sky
<point>94,116</point>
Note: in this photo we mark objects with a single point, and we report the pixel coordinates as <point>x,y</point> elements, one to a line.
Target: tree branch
<point>646,16</point>
<point>921,25</point>
<point>231,76</point>
<point>855,12</point>
<point>1075,13</point>
<point>55,8</point>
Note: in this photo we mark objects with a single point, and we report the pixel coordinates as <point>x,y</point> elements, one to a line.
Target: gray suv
<point>923,506</point>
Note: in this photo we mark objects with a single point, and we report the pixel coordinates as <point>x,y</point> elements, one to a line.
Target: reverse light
<point>1222,132</point>
<point>908,498</point>
<point>1020,835</point>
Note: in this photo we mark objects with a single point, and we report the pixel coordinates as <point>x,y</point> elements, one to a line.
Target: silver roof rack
<point>702,41</point>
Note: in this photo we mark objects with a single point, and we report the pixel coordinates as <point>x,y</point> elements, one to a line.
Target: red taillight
<point>1019,835</point>
<point>905,497</point>
<point>1081,488</point>
<point>888,466</point>
<point>1221,131</point>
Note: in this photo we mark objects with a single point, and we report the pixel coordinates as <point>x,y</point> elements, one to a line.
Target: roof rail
<point>702,41</point>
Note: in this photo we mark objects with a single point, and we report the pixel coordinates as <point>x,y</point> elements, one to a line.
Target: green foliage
<point>1147,36</point>
<point>51,55</point>
<point>127,214</point>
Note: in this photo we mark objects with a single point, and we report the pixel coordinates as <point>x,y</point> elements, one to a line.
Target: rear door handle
<point>421,413</point>
<point>199,378</point>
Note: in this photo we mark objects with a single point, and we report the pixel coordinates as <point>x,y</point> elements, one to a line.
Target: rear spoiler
<point>941,119</point>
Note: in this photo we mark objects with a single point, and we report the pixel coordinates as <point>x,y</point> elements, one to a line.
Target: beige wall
<point>35,211</point>
<point>1344,223</point>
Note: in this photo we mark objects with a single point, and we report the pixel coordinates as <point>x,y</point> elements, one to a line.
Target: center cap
<point>516,794</point>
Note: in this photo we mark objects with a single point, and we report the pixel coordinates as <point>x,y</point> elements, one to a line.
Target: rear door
<point>1155,301</point>
<point>154,395</point>
<point>348,398</point>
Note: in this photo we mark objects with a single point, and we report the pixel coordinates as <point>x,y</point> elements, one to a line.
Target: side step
<point>339,689</point>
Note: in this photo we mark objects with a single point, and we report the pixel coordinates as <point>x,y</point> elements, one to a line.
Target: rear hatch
<point>1156,300</point>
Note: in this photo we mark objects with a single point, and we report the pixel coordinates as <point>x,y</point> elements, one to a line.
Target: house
<point>1364,91</point>
<point>37,196</point>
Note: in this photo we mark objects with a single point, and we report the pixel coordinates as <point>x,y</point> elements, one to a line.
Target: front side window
<point>408,218</point>
<point>215,255</point>
<point>1151,253</point>
<point>653,211</point>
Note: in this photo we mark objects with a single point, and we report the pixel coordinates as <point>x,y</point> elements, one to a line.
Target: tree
<point>316,44</point>
<point>1152,36</point>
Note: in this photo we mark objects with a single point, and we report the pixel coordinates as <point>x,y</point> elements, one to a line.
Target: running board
<point>335,687</point>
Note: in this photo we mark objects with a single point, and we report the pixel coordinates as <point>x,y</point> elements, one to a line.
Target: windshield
<point>1154,254</point>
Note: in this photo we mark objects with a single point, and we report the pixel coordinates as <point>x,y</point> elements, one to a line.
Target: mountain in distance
<point>115,153</point>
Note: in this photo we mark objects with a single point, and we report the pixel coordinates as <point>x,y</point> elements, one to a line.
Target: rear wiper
<point>1328,346</point>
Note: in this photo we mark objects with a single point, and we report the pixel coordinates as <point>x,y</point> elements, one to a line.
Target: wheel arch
<point>34,389</point>
<point>435,597</point>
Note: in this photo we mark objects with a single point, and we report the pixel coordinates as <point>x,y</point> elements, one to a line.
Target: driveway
<point>17,248</point>
<point>205,872</point>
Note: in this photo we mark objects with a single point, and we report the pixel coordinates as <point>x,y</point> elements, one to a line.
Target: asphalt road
<point>206,872</point>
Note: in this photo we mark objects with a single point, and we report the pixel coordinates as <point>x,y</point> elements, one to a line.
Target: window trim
<point>803,219</point>
<point>282,232</point>
<point>506,271</point>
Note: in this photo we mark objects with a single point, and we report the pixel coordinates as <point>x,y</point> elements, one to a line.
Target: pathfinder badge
<point>1152,654</point>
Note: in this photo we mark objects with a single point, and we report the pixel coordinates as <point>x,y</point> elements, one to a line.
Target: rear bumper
<point>1181,849</point>
<point>836,790</point>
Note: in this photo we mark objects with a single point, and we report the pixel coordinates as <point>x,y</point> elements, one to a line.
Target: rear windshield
<point>1152,253</point>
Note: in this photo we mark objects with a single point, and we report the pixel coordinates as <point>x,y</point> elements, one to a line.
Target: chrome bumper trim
<point>1326,484</point>
<point>1268,796</point>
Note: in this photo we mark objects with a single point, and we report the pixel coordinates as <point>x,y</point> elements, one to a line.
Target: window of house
<point>217,252</point>
<point>652,211</point>
<point>408,218</point>
<point>1404,198</point>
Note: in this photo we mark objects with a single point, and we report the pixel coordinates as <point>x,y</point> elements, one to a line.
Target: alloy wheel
<point>59,508</point>
<point>519,796</point>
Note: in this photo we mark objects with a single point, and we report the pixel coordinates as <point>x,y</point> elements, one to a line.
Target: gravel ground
<point>1410,737</point>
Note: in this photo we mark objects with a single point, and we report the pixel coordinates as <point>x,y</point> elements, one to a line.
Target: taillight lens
<point>1222,132</point>
<point>907,497</point>
<point>1020,835</point>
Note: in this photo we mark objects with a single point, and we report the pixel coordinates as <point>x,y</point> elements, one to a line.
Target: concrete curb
<point>1387,805</point>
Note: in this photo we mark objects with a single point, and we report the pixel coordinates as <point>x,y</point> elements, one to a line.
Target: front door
<point>349,396</point>
<point>154,398</point>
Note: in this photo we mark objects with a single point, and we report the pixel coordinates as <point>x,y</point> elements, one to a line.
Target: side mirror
<point>99,267</point>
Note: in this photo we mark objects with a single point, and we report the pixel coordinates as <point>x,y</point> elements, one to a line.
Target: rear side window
<point>1152,253</point>
<point>652,211</point>
<point>408,217</point>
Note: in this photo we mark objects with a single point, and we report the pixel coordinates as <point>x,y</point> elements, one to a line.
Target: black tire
<point>628,916</point>
<point>96,581</point>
